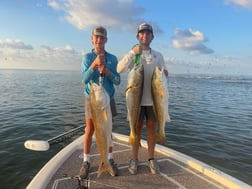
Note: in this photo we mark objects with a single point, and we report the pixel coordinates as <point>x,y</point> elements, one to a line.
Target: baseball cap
<point>144,26</point>
<point>100,31</point>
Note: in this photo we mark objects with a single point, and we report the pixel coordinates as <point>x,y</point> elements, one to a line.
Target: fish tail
<point>161,138</point>
<point>105,168</point>
<point>133,139</point>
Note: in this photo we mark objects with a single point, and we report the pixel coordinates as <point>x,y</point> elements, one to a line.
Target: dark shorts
<point>113,107</point>
<point>147,112</point>
<point>88,110</point>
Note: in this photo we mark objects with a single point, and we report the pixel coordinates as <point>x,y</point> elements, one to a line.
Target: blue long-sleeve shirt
<point>90,76</point>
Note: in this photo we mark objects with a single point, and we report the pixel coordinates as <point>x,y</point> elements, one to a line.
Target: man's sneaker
<point>133,166</point>
<point>84,170</point>
<point>114,167</point>
<point>154,167</point>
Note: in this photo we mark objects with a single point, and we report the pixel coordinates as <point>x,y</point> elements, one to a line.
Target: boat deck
<point>174,174</point>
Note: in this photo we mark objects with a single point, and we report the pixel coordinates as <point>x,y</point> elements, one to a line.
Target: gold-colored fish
<point>160,99</point>
<point>133,98</point>
<point>102,120</point>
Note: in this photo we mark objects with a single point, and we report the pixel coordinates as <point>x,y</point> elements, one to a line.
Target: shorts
<point>147,112</point>
<point>87,108</point>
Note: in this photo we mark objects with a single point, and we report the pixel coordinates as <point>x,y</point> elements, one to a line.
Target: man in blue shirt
<point>98,64</point>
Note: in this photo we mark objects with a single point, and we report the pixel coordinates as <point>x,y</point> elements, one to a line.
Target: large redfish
<point>133,98</point>
<point>102,120</point>
<point>160,99</point>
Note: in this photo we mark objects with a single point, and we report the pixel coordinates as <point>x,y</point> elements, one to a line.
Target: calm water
<point>211,120</point>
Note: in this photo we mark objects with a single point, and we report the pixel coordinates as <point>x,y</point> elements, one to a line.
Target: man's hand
<point>137,49</point>
<point>99,63</point>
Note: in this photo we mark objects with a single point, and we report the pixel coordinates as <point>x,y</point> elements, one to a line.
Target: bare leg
<point>89,131</point>
<point>150,125</point>
<point>87,139</point>
<point>135,145</point>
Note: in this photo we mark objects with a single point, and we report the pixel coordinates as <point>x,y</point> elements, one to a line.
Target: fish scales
<point>160,95</point>
<point>133,98</point>
<point>102,120</point>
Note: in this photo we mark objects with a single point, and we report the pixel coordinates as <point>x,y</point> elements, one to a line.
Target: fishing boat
<point>177,170</point>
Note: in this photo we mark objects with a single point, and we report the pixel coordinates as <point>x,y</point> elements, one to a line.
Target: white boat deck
<point>178,171</point>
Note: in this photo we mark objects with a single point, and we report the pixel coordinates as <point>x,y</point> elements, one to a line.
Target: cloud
<point>14,52</point>
<point>117,14</point>
<point>191,41</point>
<point>54,4</point>
<point>247,4</point>
<point>14,44</point>
<point>85,14</point>
<point>58,50</point>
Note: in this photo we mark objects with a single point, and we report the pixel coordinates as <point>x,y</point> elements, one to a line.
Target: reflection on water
<point>211,120</point>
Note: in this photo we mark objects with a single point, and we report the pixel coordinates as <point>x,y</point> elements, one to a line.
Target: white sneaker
<point>154,167</point>
<point>133,166</point>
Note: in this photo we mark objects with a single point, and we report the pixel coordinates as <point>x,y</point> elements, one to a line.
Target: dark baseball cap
<point>100,31</point>
<point>144,26</point>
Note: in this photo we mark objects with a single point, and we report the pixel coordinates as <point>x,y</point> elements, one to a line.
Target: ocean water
<point>211,119</point>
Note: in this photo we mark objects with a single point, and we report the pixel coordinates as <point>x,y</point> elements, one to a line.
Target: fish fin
<point>105,168</point>
<point>161,138</point>
<point>132,87</point>
<point>162,95</point>
<point>104,115</point>
<point>168,118</point>
<point>133,139</point>
<point>128,88</point>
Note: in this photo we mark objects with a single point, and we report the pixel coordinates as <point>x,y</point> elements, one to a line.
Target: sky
<point>194,36</point>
